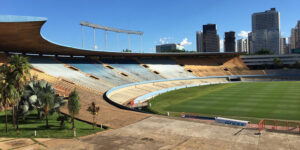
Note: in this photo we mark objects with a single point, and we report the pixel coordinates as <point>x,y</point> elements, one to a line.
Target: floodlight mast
<point>84,23</point>
<point>95,26</point>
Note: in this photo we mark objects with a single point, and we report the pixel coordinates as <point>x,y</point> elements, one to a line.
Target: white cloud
<point>96,47</point>
<point>164,40</point>
<point>185,42</point>
<point>243,34</point>
<point>221,44</point>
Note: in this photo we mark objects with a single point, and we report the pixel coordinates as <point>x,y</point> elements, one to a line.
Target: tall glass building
<point>295,37</point>
<point>229,42</point>
<point>266,31</point>
<point>199,39</point>
<point>208,40</point>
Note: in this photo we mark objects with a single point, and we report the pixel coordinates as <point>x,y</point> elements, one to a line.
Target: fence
<point>279,125</point>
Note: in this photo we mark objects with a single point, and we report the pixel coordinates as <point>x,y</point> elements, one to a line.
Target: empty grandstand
<point>125,79</point>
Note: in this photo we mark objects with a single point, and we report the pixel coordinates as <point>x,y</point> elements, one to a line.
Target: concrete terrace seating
<point>149,87</point>
<point>124,95</point>
<point>128,94</point>
<point>167,67</point>
<point>214,66</point>
<point>132,68</point>
<point>63,88</point>
<point>51,67</point>
<point>95,68</point>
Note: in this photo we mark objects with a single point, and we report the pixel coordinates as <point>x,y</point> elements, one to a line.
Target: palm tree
<point>48,102</point>
<point>93,109</point>
<point>73,106</point>
<point>8,91</point>
<point>20,72</point>
<point>32,95</point>
<point>1,88</point>
<point>1,81</point>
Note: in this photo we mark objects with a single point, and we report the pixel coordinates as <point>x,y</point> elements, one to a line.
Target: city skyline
<point>161,22</point>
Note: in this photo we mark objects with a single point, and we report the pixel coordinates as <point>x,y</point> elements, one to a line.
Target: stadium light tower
<point>106,29</point>
<point>94,38</point>
<point>117,40</point>
<point>105,39</point>
<point>82,32</point>
<point>128,41</point>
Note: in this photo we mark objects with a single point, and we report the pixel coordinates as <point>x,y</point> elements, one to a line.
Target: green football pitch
<point>243,100</point>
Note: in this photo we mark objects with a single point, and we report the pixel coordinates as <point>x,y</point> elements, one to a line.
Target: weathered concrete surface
<point>163,133</point>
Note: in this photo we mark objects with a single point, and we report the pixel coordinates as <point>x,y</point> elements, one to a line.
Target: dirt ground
<point>158,132</point>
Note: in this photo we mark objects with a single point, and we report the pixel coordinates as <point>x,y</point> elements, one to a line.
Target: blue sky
<point>161,20</point>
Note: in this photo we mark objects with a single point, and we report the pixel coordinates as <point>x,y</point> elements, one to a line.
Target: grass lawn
<point>249,100</point>
<point>27,127</point>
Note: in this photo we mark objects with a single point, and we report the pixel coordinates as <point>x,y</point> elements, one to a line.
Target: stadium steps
<point>58,82</point>
<point>151,70</point>
<point>167,67</point>
<point>97,69</point>
<point>55,69</point>
<point>215,66</point>
<point>86,74</point>
<point>132,68</point>
<point>119,72</point>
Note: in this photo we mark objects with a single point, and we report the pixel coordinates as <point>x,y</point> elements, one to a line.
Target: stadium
<point>145,98</point>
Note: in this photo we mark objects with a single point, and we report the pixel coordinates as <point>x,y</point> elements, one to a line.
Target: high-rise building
<point>210,39</point>
<point>229,42</point>
<point>242,45</point>
<point>199,39</point>
<point>250,43</point>
<point>298,35</point>
<point>283,46</point>
<point>295,37</point>
<point>266,31</point>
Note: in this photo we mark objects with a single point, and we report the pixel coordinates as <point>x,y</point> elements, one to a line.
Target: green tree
<point>62,119</point>
<point>18,76</point>
<point>47,102</point>
<point>297,64</point>
<point>73,105</point>
<point>127,50</point>
<point>93,109</point>
<point>263,52</point>
<point>8,91</point>
<point>277,63</point>
<point>31,99</point>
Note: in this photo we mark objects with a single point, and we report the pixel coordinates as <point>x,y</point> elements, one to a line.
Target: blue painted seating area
<point>97,69</point>
<point>167,67</point>
<point>52,67</point>
<point>132,68</point>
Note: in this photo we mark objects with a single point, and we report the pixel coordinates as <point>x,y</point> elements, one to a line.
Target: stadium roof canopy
<point>22,34</point>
